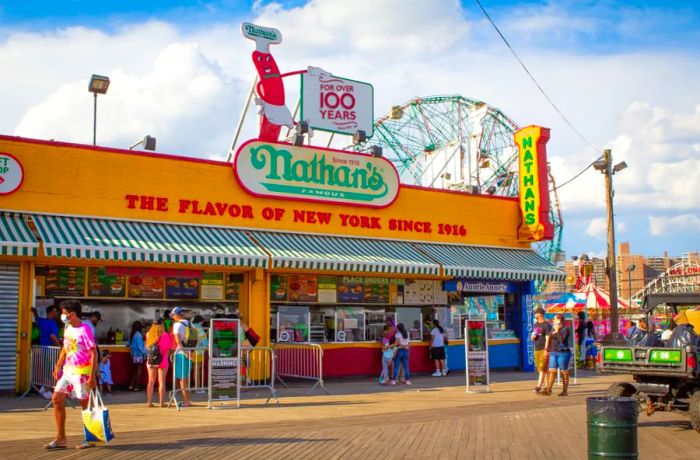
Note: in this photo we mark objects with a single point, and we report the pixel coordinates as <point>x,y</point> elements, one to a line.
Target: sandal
<point>54,445</point>
<point>85,445</point>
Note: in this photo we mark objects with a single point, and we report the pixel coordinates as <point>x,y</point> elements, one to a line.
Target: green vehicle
<point>665,378</point>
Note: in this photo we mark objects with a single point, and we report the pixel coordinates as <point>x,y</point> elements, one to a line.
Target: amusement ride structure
<point>683,277</point>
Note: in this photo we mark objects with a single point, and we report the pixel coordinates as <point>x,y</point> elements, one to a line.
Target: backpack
<point>190,336</point>
<point>153,355</point>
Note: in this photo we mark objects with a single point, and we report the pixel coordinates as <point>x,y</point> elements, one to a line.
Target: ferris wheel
<point>457,143</point>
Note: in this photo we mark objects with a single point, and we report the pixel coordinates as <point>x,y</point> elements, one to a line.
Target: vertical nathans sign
<point>534,186</point>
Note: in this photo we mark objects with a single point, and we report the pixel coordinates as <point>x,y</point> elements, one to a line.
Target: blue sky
<point>625,74</point>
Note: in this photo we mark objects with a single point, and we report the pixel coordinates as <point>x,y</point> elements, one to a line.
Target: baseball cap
<point>177,311</point>
<point>97,315</point>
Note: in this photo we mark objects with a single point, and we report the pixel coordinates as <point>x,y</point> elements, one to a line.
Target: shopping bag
<point>96,423</point>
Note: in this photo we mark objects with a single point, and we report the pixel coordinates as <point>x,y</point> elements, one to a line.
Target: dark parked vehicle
<point>665,378</point>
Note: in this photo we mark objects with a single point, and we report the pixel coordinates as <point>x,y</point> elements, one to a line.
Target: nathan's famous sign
<point>534,191</point>
<point>315,174</point>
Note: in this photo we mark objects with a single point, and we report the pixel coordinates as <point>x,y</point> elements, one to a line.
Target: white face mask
<point>65,319</point>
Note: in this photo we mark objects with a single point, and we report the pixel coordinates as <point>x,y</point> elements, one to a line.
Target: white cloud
<point>597,227</point>
<point>621,227</point>
<point>668,226</point>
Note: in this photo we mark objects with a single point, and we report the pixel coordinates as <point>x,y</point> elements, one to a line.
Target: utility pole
<point>604,165</point>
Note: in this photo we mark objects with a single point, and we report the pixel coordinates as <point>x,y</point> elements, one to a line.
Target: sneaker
<point>445,371</point>
<point>408,382</point>
<point>437,374</point>
<point>392,382</point>
<point>536,390</point>
<point>46,394</point>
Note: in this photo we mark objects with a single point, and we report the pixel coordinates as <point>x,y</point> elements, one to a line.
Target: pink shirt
<point>165,343</point>
<point>77,343</point>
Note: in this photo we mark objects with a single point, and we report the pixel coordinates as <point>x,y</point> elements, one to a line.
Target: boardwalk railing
<point>258,367</point>
<point>302,361</point>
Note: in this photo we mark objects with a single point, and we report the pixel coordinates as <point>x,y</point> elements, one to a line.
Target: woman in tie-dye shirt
<point>74,370</point>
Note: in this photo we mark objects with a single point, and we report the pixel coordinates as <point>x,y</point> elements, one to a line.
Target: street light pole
<point>98,85</point>
<point>605,166</point>
<point>94,121</point>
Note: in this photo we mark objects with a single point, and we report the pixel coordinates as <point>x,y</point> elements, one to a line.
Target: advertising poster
<point>224,362</point>
<point>351,289</point>
<point>278,287</point>
<point>100,284</point>
<point>477,356</point>
<point>212,286</point>
<point>65,282</point>
<point>327,289</point>
<point>233,283</point>
<point>376,290</point>
<point>181,288</point>
<point>303,288</point>
<point>146,287</point>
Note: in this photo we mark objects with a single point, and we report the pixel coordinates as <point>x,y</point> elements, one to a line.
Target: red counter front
<point>344,359</point>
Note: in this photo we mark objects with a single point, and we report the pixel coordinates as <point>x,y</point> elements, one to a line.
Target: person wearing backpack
<point>185,337</point>
<point>158,346</point>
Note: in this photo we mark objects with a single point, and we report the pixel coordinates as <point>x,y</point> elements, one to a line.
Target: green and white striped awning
<point>492,263</point>
<point>335,253</point>
<point>102,239</point>
<point>16,239</point>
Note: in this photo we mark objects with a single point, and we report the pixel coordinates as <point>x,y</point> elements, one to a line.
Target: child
<point>105,373</point>
<point>388,351</point>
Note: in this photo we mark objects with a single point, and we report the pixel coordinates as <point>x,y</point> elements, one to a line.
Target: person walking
<point>137,349</point>
<point>74,370</point>
<point>402,342</point>
<point>158,346</point>
<point>559,345</point>
<point>540,330</point>
<point>437,349</point>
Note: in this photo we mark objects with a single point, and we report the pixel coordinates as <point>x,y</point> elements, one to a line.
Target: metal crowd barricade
<point>258,370</point>
<point>301,360</point>
<point>189,367</point>
<point>43,360</point>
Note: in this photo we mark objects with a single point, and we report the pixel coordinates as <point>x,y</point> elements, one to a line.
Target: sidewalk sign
<point>224,361</point>
<point>476,354</point>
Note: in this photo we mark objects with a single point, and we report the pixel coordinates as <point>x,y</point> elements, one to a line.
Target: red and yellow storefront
<point>133,234</point>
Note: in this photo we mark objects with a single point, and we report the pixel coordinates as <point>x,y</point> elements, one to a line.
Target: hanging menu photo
<point>327,289</point>
<point>376,292</point>
<point>278,287</point>
<point>65,282</point>
<point>100,284</point>
<point>181,288</point>
<point>233,286</point>
<point>418,292</point>
<point>303,288</point>
<point>212,286</point>
<point>351,289</point>
<point>146,287</point>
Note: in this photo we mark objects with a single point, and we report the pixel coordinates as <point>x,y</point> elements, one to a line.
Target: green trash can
<point>612,428</point>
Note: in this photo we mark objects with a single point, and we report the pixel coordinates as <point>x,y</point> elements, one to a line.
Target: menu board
<point>327,289</point>
<point>146,287</point>
<point>65,282</point>
<point>181,288</point>
<point>212,286</point>
<point>439,295</point>
<point>303,288</point>
<point>100,284</point>
<point>376,293</point>
<point>477,356</point>
<point>278,287</point>
<point>233,286</point>
<point>351,289</point>
<point>418,292</point>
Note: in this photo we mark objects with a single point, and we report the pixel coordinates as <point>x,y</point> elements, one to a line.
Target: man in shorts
<point>74,371</point>
<point>540,330</point>
<point>181,360</point>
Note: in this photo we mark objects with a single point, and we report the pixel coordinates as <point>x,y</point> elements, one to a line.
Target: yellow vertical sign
<point>534,192</point>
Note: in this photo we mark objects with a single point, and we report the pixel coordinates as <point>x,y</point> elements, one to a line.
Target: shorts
<point>73,385</point>
<point>560,360</point>
<point>437,352</point>
<point>540,362</point>
<point>182,366</point>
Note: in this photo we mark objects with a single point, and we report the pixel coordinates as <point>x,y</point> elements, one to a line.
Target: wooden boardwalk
<point>358,421</point>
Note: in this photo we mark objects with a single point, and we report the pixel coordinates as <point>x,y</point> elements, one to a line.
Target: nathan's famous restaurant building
<point>308,244</point>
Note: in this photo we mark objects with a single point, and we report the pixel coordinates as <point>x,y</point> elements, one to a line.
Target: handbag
<point>252,337</point>
<point>96,423</point>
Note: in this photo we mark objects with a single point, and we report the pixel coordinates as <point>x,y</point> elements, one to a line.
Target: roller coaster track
<point>682,277</point>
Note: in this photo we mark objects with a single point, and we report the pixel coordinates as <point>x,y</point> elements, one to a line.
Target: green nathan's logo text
<point>323,176</point>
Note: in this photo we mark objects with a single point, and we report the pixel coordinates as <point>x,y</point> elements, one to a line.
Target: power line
<point>546,96</point>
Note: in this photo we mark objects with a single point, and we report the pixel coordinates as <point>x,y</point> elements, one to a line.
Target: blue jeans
<point>559,360</point>
<point>401,358</point>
